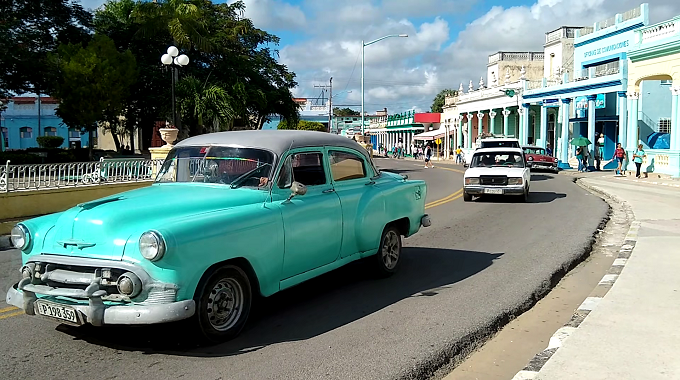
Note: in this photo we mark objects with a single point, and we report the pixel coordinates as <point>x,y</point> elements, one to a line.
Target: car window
<point>507,159</point>
<point>539,151</point>
<point>305,167</point>
<point>500,144</point>
<point>346,166</point>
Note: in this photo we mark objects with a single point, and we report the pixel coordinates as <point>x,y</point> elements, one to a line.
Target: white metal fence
<point>76,174</point>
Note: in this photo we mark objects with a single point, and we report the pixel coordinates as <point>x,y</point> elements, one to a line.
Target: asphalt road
<point>459,278</point>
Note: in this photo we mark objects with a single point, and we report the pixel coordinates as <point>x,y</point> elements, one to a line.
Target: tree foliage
<point>50,141</point>
<point>438,101</point>
<point>345,112</point>
<point>302,125</point>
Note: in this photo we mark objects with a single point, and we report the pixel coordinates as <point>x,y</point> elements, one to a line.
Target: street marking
<point>445,200</point>
<point>8,309</point>
<point>11,314</point>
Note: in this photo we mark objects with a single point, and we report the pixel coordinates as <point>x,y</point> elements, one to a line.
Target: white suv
<point>497,171</point>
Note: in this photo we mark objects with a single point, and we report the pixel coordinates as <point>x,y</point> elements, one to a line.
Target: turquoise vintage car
<point>231,215</point>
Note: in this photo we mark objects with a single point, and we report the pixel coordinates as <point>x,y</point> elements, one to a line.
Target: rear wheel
<point>467,197</point>
<point>388,258</point>
<point>223,304</point>
<point>525,196</point>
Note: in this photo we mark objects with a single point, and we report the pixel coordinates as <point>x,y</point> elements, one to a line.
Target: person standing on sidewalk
<point>638,156</point>
<point>459,155</point>
<point>580,156</point>
<point>428,156</point>
<point>619,155</point>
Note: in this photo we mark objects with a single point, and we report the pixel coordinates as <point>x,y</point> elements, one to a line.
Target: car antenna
<point>271,185</point>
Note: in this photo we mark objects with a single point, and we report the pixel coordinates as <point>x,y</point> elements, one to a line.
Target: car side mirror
<point>297,189</point>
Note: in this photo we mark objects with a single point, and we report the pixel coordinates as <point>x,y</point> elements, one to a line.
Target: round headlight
<point>530,158</point>
<point>129,284</point>
<point>20,237</point>
<point>152,245</point>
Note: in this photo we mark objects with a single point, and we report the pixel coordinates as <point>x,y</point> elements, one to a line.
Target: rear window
<point>500,144</point>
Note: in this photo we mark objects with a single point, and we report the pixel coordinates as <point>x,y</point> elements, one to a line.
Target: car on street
<point>493,142</point>
<point>537,158</point>
<point>230,216</point>
<point>497,171</point>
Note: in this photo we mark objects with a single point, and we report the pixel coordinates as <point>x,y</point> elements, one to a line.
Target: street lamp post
<point>172,59</point>
<point>363,45</point>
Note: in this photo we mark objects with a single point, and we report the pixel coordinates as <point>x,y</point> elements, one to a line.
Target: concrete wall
<point>534,71</point>
<point>654,104</point>
<point>25,204</point>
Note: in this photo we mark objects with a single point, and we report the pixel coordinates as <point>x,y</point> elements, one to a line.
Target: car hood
<point>540,157</point>
<point>101,228</point>
<point>510,172</point>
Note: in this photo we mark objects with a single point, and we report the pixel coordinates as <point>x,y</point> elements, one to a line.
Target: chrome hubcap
<point>225,304</point>
<point>390,250</point>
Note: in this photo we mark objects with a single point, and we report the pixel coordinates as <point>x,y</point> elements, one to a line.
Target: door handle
<point>328,191</point>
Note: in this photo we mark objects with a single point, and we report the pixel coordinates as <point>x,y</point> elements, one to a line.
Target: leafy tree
<point>94,81</point>
<point>50,141</point>
<point>438,101</point>
<point>345,112</point>
<point>207,105</point>
<point>183,19</point>
<point>29,31</point>
<point>302,125</point>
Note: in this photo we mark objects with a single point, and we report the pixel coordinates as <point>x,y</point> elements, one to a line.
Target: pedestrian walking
<point>638,156</point>
<point>619,156</point>
<point>428,156</point>
<point>459,155</point>
<point>580,156</point>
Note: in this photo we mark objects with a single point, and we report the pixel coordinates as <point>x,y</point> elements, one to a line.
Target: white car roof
<point>499,150</point>
<point>500,139</point>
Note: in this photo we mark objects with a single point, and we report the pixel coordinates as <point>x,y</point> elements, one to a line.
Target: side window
<point>346,166</point>
<point>306,168</point>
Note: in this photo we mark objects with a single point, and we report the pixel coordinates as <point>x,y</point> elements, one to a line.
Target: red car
<point>537,158</point>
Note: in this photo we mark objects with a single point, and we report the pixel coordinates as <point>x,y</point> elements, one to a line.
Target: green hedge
<point>50,141</point>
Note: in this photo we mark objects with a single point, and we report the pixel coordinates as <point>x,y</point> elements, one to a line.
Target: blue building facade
<point>591,97</point>
<point>21,124</point>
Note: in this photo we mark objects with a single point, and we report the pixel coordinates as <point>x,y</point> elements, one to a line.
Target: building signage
<point>551,102</point>
<point>582,102</point>
<point>606,49</point>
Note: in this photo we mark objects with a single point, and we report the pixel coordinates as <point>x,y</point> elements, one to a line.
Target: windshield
<point>217,164</point>
<point>499,144</point>
<point>540,151</point>
<point>496,159</point>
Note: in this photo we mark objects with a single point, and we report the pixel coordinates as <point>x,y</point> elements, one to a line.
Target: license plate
<point>57,311</point>
<point>493,191</point>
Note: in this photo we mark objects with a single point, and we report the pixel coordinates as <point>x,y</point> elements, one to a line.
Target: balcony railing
<point>608,23</point>
<point>76,174</point>
<point>660,31</point>
<point>631,14</point>
<point>587,30</point>
<point>516,56</point>
<point>606,69</point>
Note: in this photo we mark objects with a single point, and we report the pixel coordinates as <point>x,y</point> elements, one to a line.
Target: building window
<point>50,131</point>
<point>26,132</point>
<point>665,125</point>
<point>667,82</point>
<point>73,133</point>
<point>5,135</point>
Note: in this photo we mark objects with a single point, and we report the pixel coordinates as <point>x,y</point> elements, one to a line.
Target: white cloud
<point>274,14</point>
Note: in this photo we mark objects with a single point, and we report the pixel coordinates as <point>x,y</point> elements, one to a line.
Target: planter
<point>169,135</point>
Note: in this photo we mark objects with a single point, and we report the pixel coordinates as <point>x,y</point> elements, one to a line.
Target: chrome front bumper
<point>543,165</point>
<point>425,221</point>
<point>97,313</point>
<point>507,190</point>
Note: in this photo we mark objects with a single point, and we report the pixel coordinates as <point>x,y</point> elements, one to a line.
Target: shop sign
<point>582,102</point>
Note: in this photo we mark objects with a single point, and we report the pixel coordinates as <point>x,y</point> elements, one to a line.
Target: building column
<point>564,154</point>
<point>632,134</point>
<point>591,129</point>
<point>468,143</point>
<point>524,125</point>
<point>544,127</point>
<point>623,118</point>
<point>459,132</point>
<point>506,121</point>
<point>480,123</point>
<point>675,126</point>
<point>492,121</point>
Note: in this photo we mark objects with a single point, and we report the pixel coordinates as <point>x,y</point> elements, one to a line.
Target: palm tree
<point>206,107</point>
<point>183,19</point>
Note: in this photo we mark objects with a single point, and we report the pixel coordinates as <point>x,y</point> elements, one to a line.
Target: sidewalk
<point>632,331</point>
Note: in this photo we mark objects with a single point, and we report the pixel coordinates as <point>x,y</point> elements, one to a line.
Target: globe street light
<point>363,45</point>
<point>172,59</point>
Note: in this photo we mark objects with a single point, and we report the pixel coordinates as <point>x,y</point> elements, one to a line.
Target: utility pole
<point>330,100</point>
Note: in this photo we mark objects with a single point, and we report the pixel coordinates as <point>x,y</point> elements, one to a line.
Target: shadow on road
<point>308,310</point>
<point>541,177</point>
<point>534,197</point>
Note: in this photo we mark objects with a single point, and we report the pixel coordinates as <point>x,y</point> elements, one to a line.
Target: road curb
<point>531,370</point>
<point>455,353</point>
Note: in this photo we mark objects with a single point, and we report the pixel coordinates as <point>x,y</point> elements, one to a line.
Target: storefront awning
<point>431,135</point>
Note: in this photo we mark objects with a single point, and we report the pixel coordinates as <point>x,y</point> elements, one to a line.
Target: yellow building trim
<point>660,68</point>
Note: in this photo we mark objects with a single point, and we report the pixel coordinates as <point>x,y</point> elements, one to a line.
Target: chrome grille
<point>490,180</point>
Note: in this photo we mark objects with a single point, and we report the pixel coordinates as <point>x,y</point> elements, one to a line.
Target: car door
<point>312,222</point>
<point>351,176</point>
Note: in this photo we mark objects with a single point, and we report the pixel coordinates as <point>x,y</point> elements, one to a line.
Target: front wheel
<point>467,197</point>
<point>223,304</point>
<point>388,258</point>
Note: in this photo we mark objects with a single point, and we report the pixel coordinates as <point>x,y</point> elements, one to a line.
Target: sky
<point>448,41</point>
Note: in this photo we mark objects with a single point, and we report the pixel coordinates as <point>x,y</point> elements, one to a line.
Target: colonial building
<point>403,126</point>
<point>27,117</point>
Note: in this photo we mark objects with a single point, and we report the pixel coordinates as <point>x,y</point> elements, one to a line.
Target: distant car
<point>537,158</point>
<point>493,142</point>
<point>230,216</point>
<point>497,171</point>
